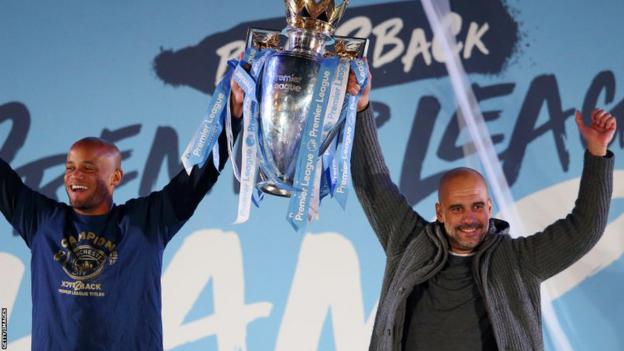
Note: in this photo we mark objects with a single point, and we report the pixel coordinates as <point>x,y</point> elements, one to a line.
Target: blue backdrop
<point>140,73</point>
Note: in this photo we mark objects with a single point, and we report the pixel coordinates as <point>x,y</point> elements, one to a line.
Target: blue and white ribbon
<point>248,57</point>
<point>341,191</point>
<point>249,164</point>
<point>207,134</point>
<point>322,184</point>
<point>330,169</point>
<point>305,172</point>
<point>315,201</point>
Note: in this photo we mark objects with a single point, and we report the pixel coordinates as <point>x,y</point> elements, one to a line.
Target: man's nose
<point>77,174</point>
<point>469,217</point>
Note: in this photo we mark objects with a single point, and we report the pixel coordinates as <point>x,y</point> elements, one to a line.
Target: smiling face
<point>464,208</point>
<point>92,172</point>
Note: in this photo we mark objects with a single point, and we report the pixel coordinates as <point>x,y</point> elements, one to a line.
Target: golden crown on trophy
<point>316,16</point>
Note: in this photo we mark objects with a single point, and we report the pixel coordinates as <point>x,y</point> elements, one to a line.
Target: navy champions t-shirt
<point>96,279</point>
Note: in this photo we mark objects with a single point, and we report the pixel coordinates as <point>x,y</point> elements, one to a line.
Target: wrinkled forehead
<point>463,187</point>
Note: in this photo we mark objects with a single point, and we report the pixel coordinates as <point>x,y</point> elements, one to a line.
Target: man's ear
<point>489,205</point>
<point>438,209</point>
<point>117,177</point>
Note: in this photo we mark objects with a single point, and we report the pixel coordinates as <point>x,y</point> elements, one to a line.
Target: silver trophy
<point>288,80</point>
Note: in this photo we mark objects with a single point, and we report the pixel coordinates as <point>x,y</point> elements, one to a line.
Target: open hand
<point>599,134</point>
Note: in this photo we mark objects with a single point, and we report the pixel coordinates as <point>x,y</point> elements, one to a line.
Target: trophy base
<point>274,190</point>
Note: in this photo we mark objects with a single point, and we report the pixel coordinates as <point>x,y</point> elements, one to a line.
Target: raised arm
<point>388,211</point>
<point>21,206</point>
<point>165,211</point>
<point>186,191</point>
<point>564,242</point>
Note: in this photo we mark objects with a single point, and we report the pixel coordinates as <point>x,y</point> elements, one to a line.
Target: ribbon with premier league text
<point>306,168</point>
<point>206,136</point>
<point>336,170</point>
<point>326,179</point>
<point>341,190</point>
<point>249,165</point>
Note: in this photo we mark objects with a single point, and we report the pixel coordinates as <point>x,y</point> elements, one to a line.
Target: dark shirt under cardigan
<point>508,272</point>
<point>448,302</point>
<point>96,279</point>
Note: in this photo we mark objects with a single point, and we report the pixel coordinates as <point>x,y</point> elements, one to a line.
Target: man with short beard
<point>462,283</point>
<point>96,266</point>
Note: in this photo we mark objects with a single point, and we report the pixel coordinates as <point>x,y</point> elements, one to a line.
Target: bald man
<point>96,266</point>
<point>461,282</point>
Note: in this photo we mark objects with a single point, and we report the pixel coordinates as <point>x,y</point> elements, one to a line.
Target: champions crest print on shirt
<point>83,259</point>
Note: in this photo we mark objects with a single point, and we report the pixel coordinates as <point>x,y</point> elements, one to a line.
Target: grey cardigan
<point>508,271</point>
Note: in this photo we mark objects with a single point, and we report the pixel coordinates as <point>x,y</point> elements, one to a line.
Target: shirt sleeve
<point>22,207</point>
<point>168,209</point>
<point>388,211</point>
<point>562,243</point>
